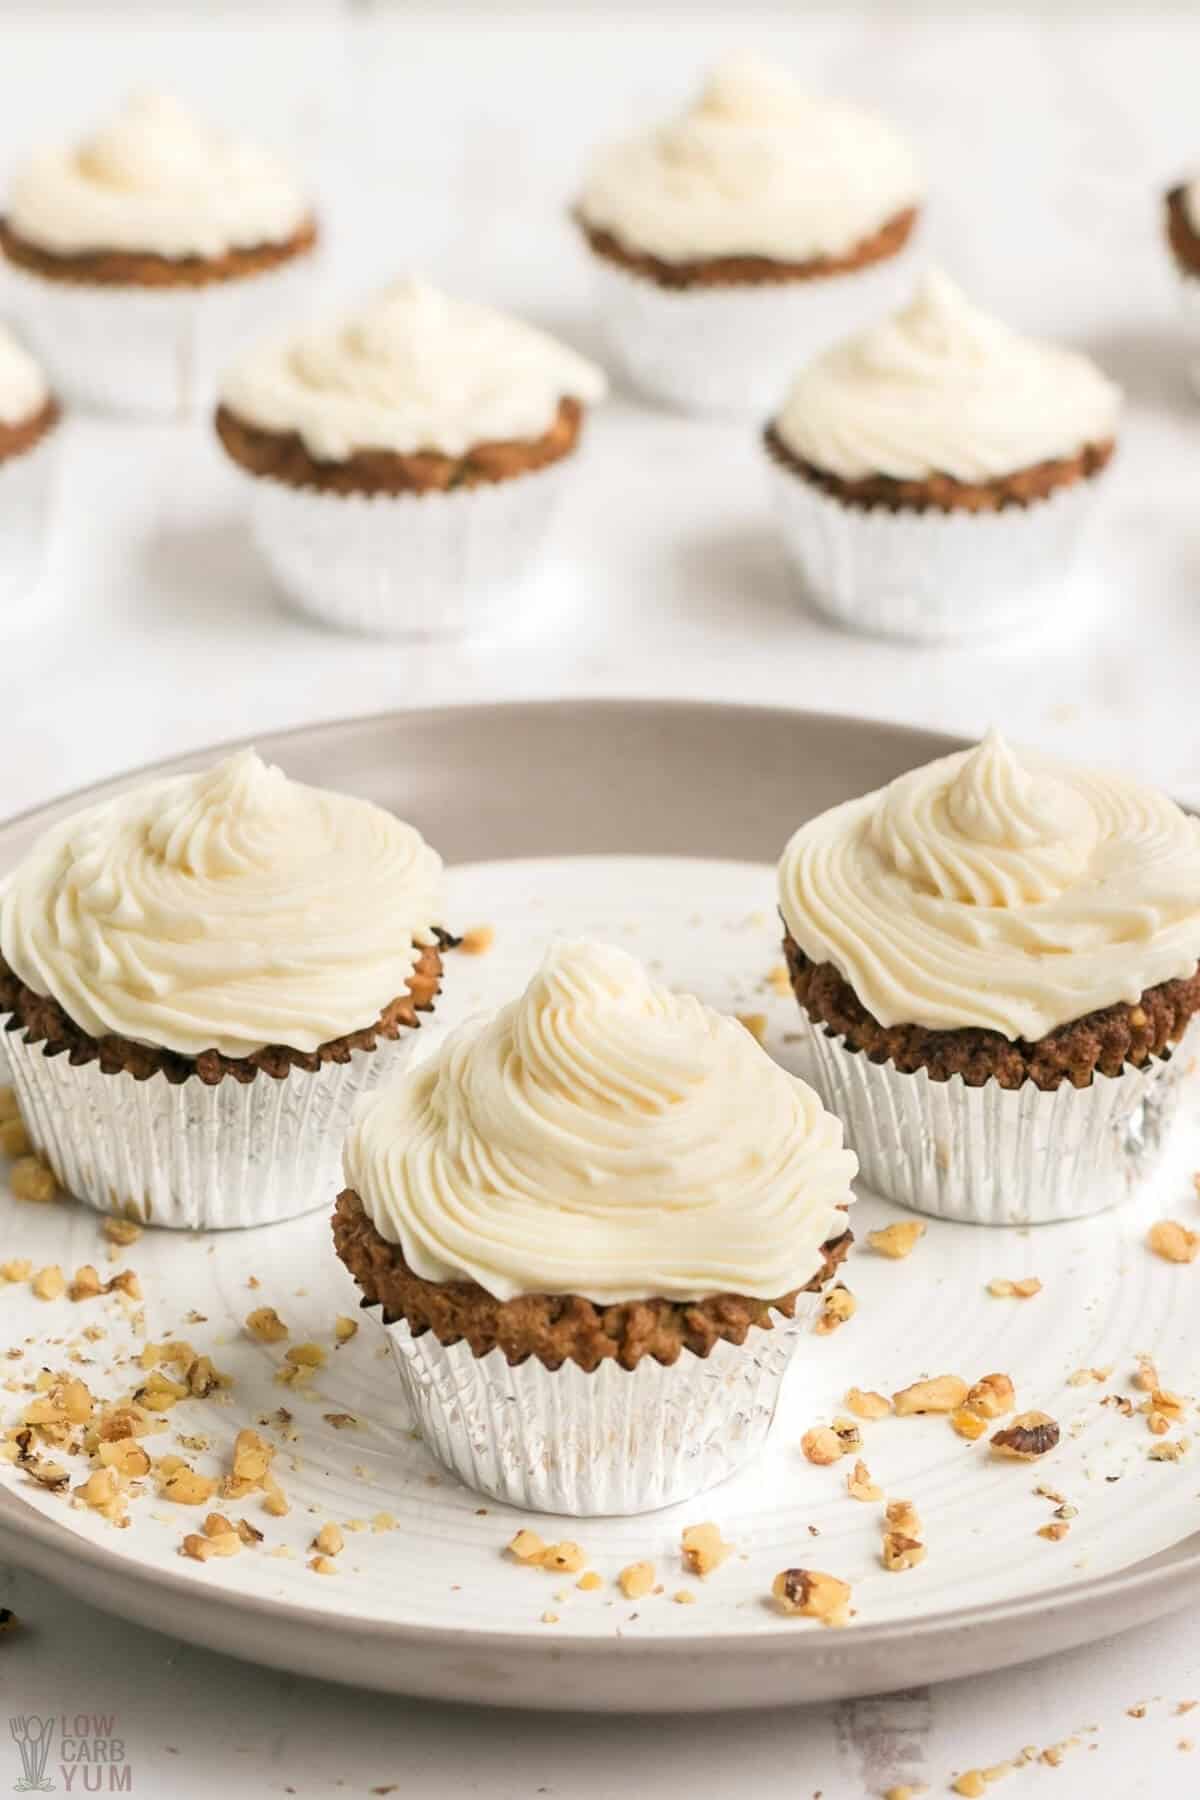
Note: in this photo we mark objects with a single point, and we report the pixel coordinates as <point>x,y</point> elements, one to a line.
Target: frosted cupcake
<point>141,256</point>
<point>1183,237</point>
<point>200,977</point>
<point>596,1225</point>
<point>933,475</point>
<point>996,961</point>
<point>28,417</point>
<point>745,236</point>
<point>404,461</point>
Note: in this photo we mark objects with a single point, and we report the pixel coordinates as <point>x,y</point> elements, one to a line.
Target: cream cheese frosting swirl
<point>755,167</point>
<point>156,180</point>
<point>411,370</point>
<point>23,390</point>
<point>1014,893</point>
<point>942,388</point>
<point>228,910</point>
<point>603,1136</point>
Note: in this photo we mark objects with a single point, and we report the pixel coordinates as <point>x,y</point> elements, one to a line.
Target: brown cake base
<point>44,1022</point>
<point>144,269</point>
<point>282,456</point>
<point>749,271</point>
<point>942,493</point>
<point>553,1328</point>
<point>1104,1042</point>
<point>1182,235</point>
<point>16,439</point>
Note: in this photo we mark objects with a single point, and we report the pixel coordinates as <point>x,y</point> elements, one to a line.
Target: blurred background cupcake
<point>28,420</point>
<point>1183,237</point>
<point>996,964</point>
<point>745,236</point>
<point>198,979</point>
<point>404,461</point>
<point>933,474</point>
<point>138,258</point>
<point>596,1225</point>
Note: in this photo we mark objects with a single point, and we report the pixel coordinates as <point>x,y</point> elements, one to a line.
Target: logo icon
<point>32,1737</point>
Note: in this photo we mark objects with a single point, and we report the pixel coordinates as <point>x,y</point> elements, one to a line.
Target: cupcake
<point>403,462</point>
<point>28,417</point>
<point>745,236</point>
<point>140,257</point>
<point>996,963</point>
<point>1183,237</point>
<point>933,474</point>
<point>197,980</point>
<point>596,1225</point>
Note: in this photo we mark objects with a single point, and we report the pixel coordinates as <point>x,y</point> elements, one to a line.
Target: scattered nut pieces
<point>837,1306</point>
<point>1054,1532</point>
<point>704,1549</point>
<point>636,1580</point>
<point>14,1139</point>
<point>589,1581</point>
<point>809,1594</point>
<point>1169,1450</point>
<point>1025,1289</point>
<point>867,1404</point>
<point>900,1551</point>
<point>859,1485</point>
<point>322,1565</point>
<point>1173,1242</point>
<point>30,1179</point>
<point>942,1394</point>
<point>971,1783</point>
<point>329,1540</point>
<point>121,1231</point>
<point>903,1516</point>
<point>566,1558</point>
<point>992,1396</point>
<point>822,1445</point>
<point>898,1240</point>
<point>1147,1375</point>
<point>344,1328</point>
<point>265,1324</point>
<point>526,1547</point>
<point>19,1268</point>
<point>49,1283</point>
<point>1031,1434</point>
<point>187,1488</point>
<point>967,1423</point>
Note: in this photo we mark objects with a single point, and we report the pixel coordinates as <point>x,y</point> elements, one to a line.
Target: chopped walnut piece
<point>251,1457</point>
<point>14,1139</point>
<point>478,941</point>
<point>636,1580</point>
<point>907,1790</point>
<point>1169,1450</point>
<point>1173,1242</point>
<point>1031,1434</point>
<point>187,1488</point>
<point>967,1423</point>
<point>340,1421</point>
<point>50,1475</point>
<point>322,1565</point>
<point>249,1534</point>
<point>589,1581</point>
<point>943,1394</point>
<point>49,1283</point>
<point>866,1404</point>
<point>837,1306</point>
<point>18,1269</point>
<point>901,1551</point>
<point>9,1105</point>
<point>898,1240</point>
<point>1054,1532</point>
<point>755,1023</point>
<point>1158,1423</point>
<point>704,1549</point>
<point>971,1784</point>
<point>265,1324</point>
<point>1163,1401</point>
<point>809,1594</point>
<point>329,1540</point>
<point>344,1328</point>
<point>526,1547</point>
<point>126,1282</point>
<point>1024,1289</point>
<point>822,1445</point>
<point>126,1456</point>
<point>992,1396</point>
<point>199,1548</point>
<point>275,1501</point>
<point>859,1484</point>
<point>1147,1375</point>
<point>565,1558</point>
<point>684,1597</point>
<point>1001,1288</point>
<point>202,1379</point>
<point>30,1179</point>
<point>121,1231</point>
<point>159,1393</point>
<point>903,1516</point>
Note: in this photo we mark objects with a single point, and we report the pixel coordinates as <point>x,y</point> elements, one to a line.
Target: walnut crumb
<point>859,1484</point>
<point>1173,1241</point>
<point>968,1423</point>
<point>810,1594</point>
<point>566,1558</point>
<point>121,1231</point>
<point>589,1581</point>
<point>49,1283</point>
<point>837,1306</point>
<point>265,1325</point>
<point>1031,1434</point>
<point>992,1396</point>
<point>866,1404</point>
<point>1169,1450</point>
<point>526,1547</point>
<point>478,941</point>
<point>704,1549</point>
<point>822,1445</point>
<point>899,1551</point>
<point>322,1565</point>
<point>14,1139</point>
<point>942,1394</point>
<point>636,1580</point>
<point>30,1179</point>
<point>903,1515</point>
<point>344,1328</point>
<point>898,1240</point>
<point>1024,1289</point>
<point>329,1540</point>
<point>1054,1532</point>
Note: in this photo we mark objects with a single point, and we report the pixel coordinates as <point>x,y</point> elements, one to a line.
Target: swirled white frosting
<point>411,370</point>
<point>156,180</point>
<point>941,388</point>
<point>606,1137</point>
<point>227,910</point>
<point>1010,892</point>
<point>23,390</point>
<point>755,167</point>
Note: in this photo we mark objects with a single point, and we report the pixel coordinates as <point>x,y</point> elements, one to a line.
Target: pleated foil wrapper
<point>149,353</point>
<point>407,565</point>
<point>612,1441</point>
<point>194,1157</point>
<point>999,1156</point>
<point>932,577</point>
<point>26,496</point>
<point>734,350</point>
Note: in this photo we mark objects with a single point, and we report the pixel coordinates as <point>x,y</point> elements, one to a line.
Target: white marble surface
<point>451,144</point>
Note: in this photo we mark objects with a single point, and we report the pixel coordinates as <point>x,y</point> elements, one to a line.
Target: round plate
<point>656,826</point>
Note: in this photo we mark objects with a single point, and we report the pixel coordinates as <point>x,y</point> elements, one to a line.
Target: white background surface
<point>451,144</point>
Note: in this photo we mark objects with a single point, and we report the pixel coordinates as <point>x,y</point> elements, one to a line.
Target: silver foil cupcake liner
<point>732,350</point>
<point>612,1441</point>
<point>407,565</point>
<point>26,496</point>
<point>195,1157</point>
<point>999,1156</point>
<point>152,353</point>
<point>932,577</point>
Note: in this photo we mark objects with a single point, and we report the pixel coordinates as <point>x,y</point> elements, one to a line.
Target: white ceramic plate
<point>573,809</point>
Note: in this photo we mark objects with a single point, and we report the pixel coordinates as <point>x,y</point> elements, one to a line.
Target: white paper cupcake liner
<point>195,1157</point>
<point>407,565</point>
<point>154,353</point>
<point>932,577</point>
<point>733,350</point>
<point>1189,295</point>
<point>999,1156</point>
<point>26,495</point>
<point>612,1441</point>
